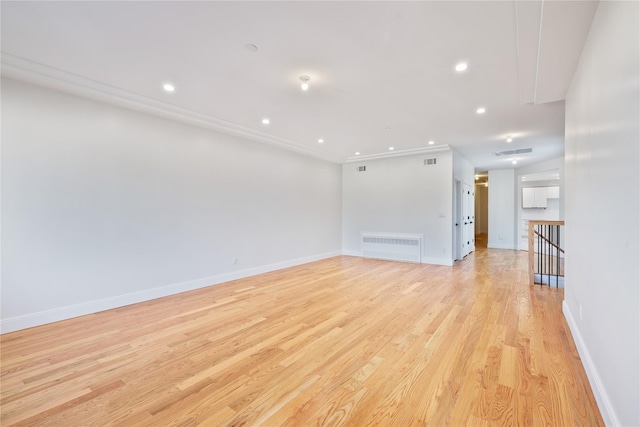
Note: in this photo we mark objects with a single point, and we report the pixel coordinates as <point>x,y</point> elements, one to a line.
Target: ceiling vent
<point>362,168</point>
<point>430,161</point>
<point>512,152</point>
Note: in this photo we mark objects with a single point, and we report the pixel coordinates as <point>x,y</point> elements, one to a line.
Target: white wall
<point>400,195</point>
<point>502,205</point>
<point>463,170</point>
<point>602,298</point>
<point>103,206</point>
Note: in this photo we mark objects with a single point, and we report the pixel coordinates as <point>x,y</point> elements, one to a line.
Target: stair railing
<point>546,256</point>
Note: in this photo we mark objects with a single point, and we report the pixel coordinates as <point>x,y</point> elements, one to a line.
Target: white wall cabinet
<point>534,197</point>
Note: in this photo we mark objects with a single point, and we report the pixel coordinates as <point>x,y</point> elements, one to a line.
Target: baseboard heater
<point>391,246</point>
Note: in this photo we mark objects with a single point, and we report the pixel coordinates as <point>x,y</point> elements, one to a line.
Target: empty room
<point>296,213</point>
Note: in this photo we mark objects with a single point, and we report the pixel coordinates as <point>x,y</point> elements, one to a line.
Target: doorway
<point>482,209</point>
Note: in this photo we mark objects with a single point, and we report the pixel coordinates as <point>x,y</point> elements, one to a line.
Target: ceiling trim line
<point>515,3</point>
<point>400,153</point>
<point>535,87</point>
<point>35,73</point>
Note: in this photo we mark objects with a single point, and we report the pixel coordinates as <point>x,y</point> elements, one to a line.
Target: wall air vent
<point>362,168</point>
<point>395,247</point>
<point>512,152</point>
<point>430,161</point>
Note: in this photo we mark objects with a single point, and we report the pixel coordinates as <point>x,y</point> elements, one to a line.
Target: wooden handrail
<point>543,222</point>
<point>532,233</point>
<point>549,241</point>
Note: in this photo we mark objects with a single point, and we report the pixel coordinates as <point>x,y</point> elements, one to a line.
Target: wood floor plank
<point>345,341</point>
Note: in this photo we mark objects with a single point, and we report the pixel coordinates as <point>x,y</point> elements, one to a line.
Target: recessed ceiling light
<point>387,129</point>
<point>320,141</point>
<point>168,87</point>
<point>391,148</point>
<point>357,153</point>
<point>477,177</point>
<point>305,82</point>
<point>481,110</point>
<point>461,66</point>
<point>431,142</point>
<point>509,139</point>
<point>514,162</point>
<point>266,121</point>
<point>251,47</point>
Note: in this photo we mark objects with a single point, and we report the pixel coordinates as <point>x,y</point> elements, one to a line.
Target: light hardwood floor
<point>344,341</point>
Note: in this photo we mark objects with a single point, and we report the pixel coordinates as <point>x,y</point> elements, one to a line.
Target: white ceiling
<point>373,66</point>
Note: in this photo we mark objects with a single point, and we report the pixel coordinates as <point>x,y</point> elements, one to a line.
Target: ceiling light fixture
<point>509,139</point>
<point>266,121</point>
<point>391,148</point>
<point>481,110</point>
<point>431,142</point>
<point>320,141</point>
<point>357,153</point>
<point>477,177</point>
<point>514,162</point>
<point>168,87</point>
<point>461,66</point>
<point>305,82</point>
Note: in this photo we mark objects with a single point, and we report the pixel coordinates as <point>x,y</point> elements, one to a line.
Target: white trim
<point>602,398</point>
<point>494,245</point>
<point>90,307</point>
<point>438,261</point>
<point>424,260</point>
<point>400,153</point>
<point>39,74</point>
<point>352,253</point>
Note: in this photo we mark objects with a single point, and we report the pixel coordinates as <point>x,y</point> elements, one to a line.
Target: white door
<point>467,219</point>
<point>458,228</point>
<point>472,210</point>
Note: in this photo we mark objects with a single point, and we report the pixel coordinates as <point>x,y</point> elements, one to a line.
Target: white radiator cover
<point>391,246</point>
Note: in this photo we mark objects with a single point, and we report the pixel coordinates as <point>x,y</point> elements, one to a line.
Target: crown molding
<point>400,153</point>
<point>22,69</point>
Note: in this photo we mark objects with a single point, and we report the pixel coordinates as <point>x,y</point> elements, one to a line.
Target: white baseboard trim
<point>437,261</point>
<point>90,307</point>
<point>494,245</point>
<point>425,260</point>
<point>602,398</point>
<point>352,253</point>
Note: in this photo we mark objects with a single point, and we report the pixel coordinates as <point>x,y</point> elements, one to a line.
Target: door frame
<point>457,220</point>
